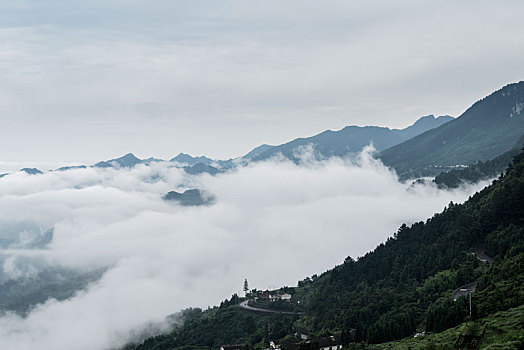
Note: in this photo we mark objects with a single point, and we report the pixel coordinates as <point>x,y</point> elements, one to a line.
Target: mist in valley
<point>124,258</point>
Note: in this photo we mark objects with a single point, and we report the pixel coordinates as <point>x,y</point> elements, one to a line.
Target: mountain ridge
<point>360,135</point>
<point>189,160</point>
<point>350,139</point>
<point>490,127</point>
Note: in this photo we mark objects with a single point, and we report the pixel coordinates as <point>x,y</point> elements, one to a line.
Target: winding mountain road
<point>464,290</point>
<point>481,254</point>
<point>245,305</point>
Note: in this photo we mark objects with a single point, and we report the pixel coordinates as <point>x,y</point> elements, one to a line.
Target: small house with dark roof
<point>264,296</point>
<point>302,333</point>
<point>333,342</point>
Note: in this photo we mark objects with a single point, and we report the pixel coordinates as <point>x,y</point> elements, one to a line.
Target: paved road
<point>480,254</point>
<point>245,305</point>
<point>464,290</point>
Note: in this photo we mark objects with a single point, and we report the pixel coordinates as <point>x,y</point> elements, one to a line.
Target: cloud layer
<point>273,223</point>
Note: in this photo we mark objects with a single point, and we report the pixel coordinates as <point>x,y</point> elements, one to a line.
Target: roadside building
<point>302,333</point>
<point>333,342</point>
<point>285,296</point>
<point>264,296</point>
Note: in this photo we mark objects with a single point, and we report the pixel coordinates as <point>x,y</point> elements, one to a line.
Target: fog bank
<point>273,223</point>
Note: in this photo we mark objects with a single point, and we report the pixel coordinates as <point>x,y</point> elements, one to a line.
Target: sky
<point>82,81</point>
<point>273,222</point>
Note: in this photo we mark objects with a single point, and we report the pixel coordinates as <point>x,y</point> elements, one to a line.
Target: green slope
<point>479,171</point>
<point>487,129</point>
<point>408,280</point>
<point>503,330</point>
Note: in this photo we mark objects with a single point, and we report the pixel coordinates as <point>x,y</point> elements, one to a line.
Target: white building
<point>285,296</point>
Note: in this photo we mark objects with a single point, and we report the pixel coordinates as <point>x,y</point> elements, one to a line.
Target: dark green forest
<point>402,286</point>
<point>480,170</point>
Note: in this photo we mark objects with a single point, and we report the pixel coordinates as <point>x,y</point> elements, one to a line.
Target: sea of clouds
<point>273,223</point>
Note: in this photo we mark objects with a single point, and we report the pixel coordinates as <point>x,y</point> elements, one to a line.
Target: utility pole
<point>462,291</point>
<point>469,304</point>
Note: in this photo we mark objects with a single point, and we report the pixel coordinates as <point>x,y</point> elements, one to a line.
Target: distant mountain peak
<point>183,155</point>
<point>128,160</point>
<point>201,168</point>
<point>424,119</point>
<point>191,197</point>
<point>185,158</point>
<point>129,156</point>
<point>31,171</point>
<point>425,123</point>
<point>430,118</point>
<point>71,167</point>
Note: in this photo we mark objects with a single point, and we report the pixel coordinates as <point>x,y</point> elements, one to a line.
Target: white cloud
<point>273,222</point>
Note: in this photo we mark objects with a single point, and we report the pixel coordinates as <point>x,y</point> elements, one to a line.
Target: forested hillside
<point>403,285</point>
<point>487,129</point>
<point>479,171</point>
<point>408,280</point>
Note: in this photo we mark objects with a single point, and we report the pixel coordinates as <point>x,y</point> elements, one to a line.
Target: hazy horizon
<point>85,81</point>
<point>46,165</point>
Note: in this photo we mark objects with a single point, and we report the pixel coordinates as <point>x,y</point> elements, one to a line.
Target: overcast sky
<point>90,80</point>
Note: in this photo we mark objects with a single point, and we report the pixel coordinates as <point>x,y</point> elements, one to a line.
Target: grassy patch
<point>503,330</point>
